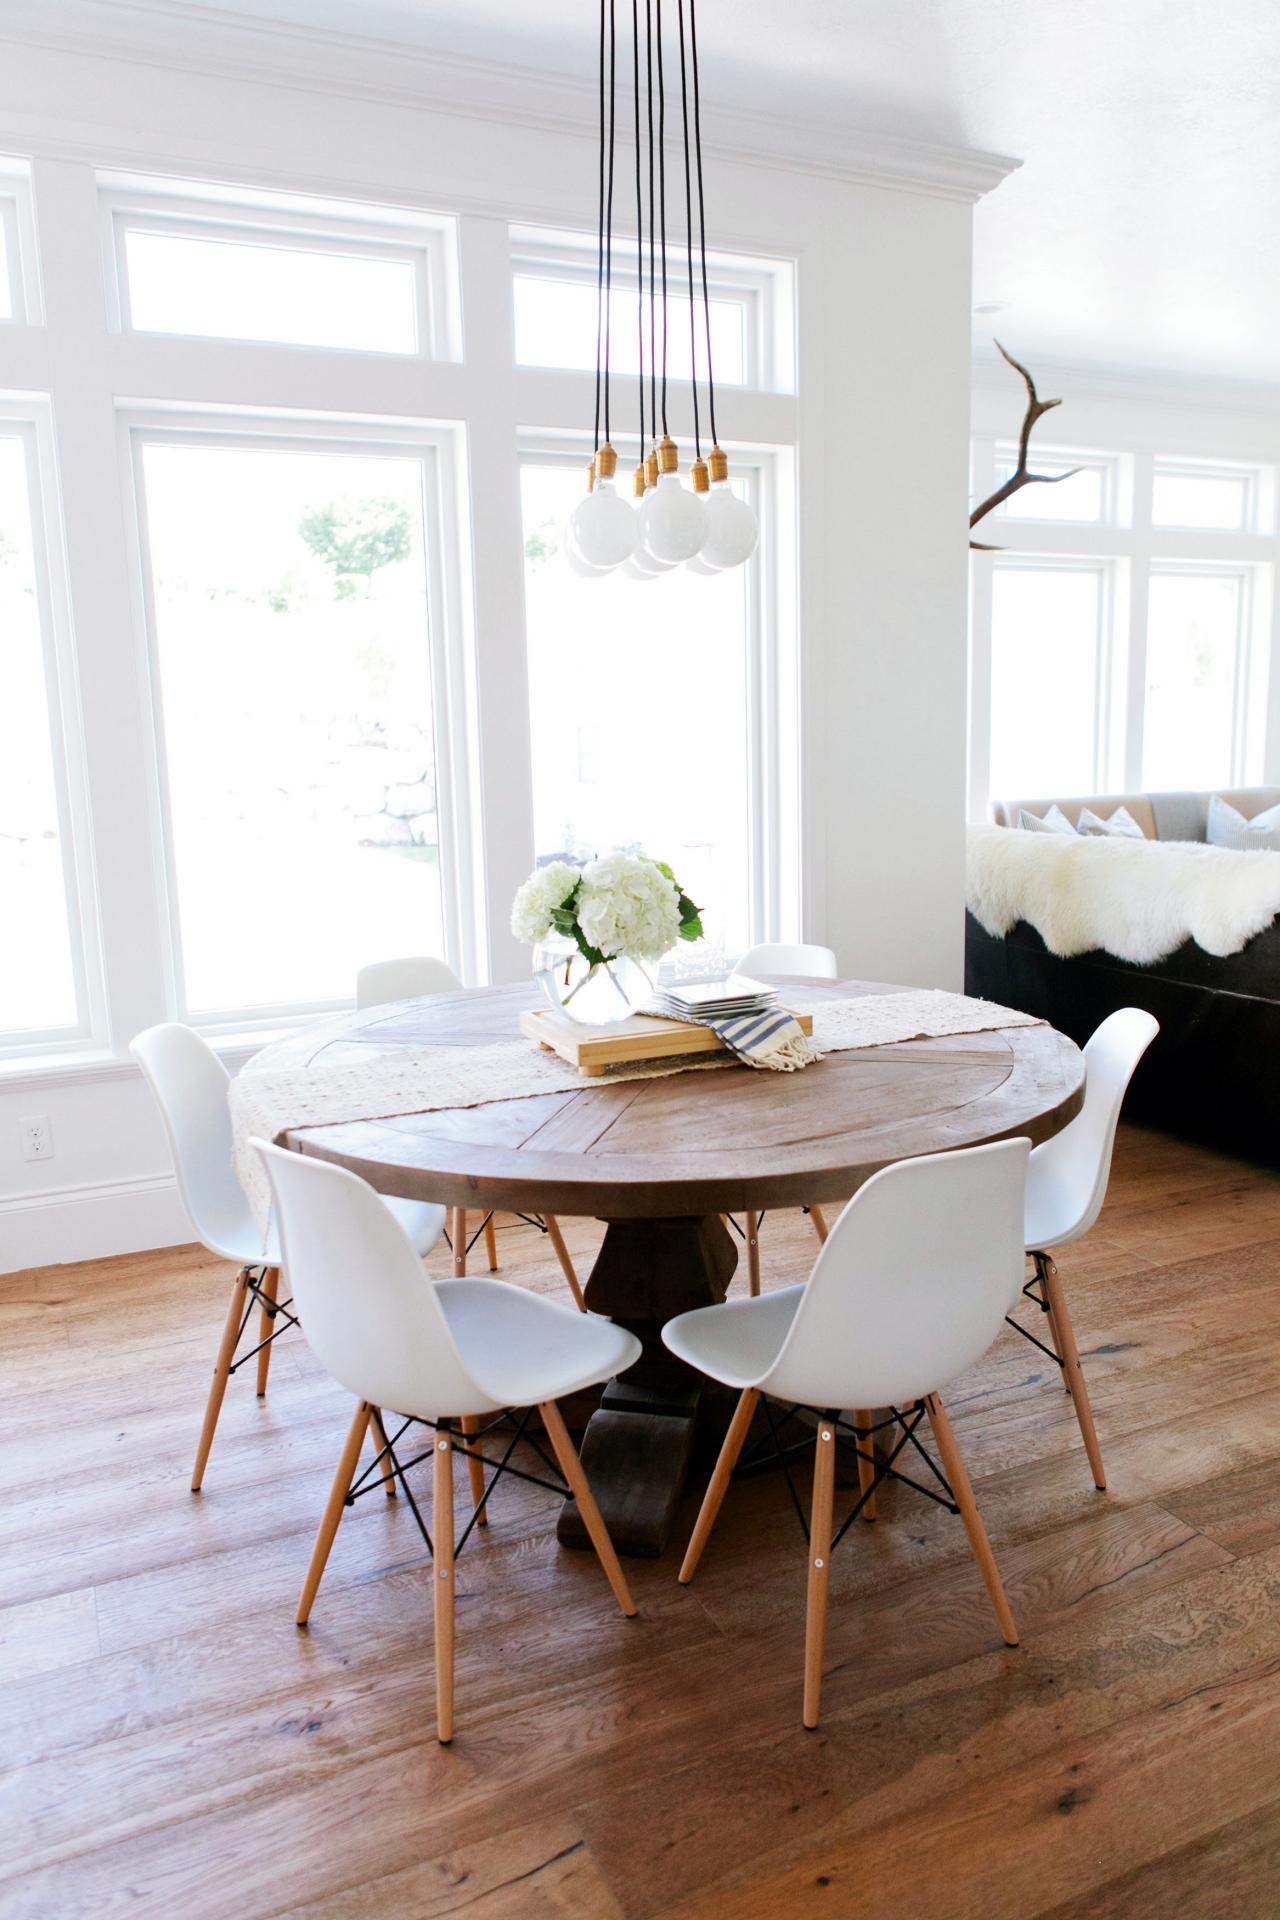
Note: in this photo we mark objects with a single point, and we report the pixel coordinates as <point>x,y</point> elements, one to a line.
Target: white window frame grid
<point>1258,486</point>
<point>763,290</point>
<point>17,221</point>
<point>448,639</point>
<point>29,419</point>
<point>1134,549</point>
<point>772,702</point>
<point>278,223</point>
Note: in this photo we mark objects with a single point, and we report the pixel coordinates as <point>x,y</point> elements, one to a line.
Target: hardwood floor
<point>173,1745</point>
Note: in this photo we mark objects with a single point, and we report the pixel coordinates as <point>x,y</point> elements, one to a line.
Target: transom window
<point>751,308</point>
<point>289,270</point>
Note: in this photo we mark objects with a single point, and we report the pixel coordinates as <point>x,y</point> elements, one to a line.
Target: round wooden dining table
<point>659,1161</point>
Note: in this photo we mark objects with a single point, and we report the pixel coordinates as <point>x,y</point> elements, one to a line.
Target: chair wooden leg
<point>819,1220</point>
<point>221,1374</point>
<point>815,1624</point>
<point>378,1429</point>
<point>458,1234</point>
<point>866,1468</point>
<point>592,1519</point>
<point>491,1243</point>
<point>442,1567</point>
<point>751,1228</point>
<point>961,1486</point>
<point>556,1238</point>
<point>719,1483</point>
<point>475,1468</point>
<point>346,1471</point>
<point>1072,1372</point>
<point>266,1326</point>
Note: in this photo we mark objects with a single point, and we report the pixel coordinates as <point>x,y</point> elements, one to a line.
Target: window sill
<point>96,1066</point>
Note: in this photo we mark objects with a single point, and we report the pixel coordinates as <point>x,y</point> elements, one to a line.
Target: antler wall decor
<point>1020,477</point>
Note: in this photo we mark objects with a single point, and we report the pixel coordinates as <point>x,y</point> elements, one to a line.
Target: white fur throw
<point>1136,899</point>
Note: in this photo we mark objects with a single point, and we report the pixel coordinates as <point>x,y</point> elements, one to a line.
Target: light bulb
<point>577,564</point>
<point>698,564</point>
<point>604,527</point>
<point>732,528</point>
<point>673,521</point>
<point>646,564</point>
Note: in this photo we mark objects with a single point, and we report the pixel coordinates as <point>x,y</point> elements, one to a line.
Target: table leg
<point>636,1448</point>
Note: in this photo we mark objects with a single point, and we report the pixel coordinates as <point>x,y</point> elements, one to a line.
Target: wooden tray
<point>643,1037</point>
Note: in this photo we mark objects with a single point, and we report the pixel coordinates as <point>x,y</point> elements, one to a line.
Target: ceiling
<point>1143,230</point>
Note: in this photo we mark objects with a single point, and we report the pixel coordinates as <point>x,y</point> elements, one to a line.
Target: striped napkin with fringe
<point>767,1037</point>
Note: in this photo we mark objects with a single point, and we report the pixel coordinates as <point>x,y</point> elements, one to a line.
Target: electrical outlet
<point>36,1135</point>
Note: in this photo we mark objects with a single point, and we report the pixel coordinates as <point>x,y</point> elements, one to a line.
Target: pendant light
<point>704,525</point>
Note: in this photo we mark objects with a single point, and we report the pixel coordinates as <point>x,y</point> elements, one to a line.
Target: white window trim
<point>449,637</point>
<point>17,218</point>
<point>30,418</point>
<point>1105,661</point>
<point>283,223</point>
<point>1258,502</point>
<point>763,289</point>
<point>773,667</point>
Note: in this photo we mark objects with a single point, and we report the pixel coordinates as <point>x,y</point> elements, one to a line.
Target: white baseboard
<point>91,1223</point>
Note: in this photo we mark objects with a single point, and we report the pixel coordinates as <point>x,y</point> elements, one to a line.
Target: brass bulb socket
<point>718,463</point>
<point>668,455</point>
<point>639,482</point>
<point>701,478</point>
<point>651,469</point>
<point>606,461</point>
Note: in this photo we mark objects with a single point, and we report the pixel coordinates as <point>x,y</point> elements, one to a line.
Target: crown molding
<point>1148,386</point>
<point>174,34</point>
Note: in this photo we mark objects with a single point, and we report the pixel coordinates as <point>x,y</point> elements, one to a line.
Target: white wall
<point>882,240</point>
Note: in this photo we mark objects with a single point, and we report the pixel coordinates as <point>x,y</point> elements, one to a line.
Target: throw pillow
<point>1229,828</point>
<point>1120,824</point>
<point>1054,821</point>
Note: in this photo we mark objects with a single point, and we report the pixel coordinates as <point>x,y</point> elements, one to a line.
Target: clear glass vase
<point>597,996</point>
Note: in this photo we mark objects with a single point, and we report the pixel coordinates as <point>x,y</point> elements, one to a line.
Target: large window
<point>289,589</point>
<point>1197,667</point>
<point>618,670</point>
<point>1122,636</point>
<point>1047,661</point>
<point>263,567</point>
<point>41,985</point>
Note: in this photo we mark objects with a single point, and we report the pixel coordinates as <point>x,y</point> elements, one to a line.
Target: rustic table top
<point>695,1143</point>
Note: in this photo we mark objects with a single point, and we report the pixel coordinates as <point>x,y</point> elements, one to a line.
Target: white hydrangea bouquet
<point>594,927</point>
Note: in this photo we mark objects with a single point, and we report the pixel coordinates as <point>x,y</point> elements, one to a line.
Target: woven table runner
<point>269,1102</point>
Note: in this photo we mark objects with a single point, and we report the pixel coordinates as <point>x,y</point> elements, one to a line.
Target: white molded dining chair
<point>414,978</point>
<point>814,963</point>
<point>190,1086</point>
<point>1066,1185</point>
<point>463,1351</point>
<point>910,1288</point>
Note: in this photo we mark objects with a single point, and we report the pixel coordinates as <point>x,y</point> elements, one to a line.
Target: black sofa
<point>1214,1072</point>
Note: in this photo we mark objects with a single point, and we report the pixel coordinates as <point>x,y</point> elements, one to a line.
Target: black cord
<point>653,332</point>
<point>608,231</point>
<point>635,66</point>
<point>688,228</point>
<point>702,215</point>
<point>662,205</point>
<point>595,441</point>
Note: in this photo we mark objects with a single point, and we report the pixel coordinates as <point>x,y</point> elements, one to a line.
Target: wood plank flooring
<point>170,1744</point>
